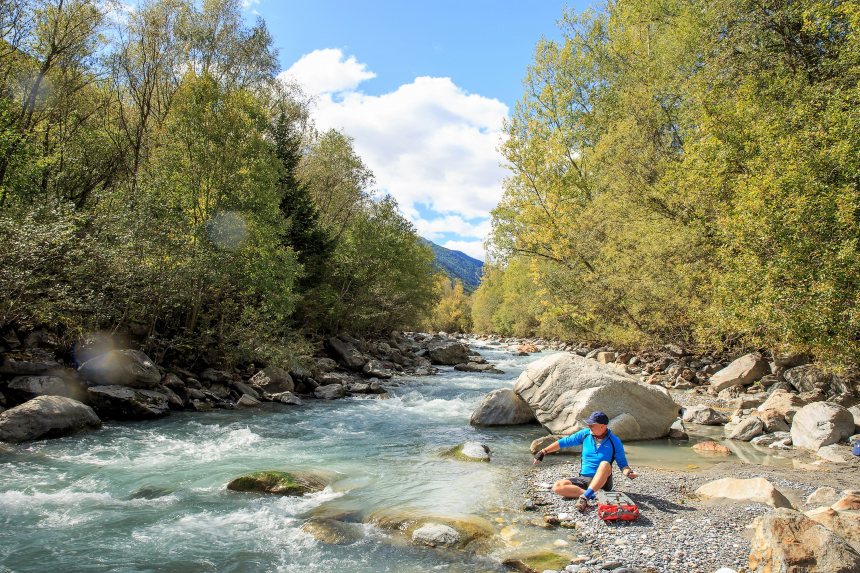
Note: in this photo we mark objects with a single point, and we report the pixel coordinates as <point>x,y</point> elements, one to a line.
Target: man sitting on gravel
<point>600,447</point>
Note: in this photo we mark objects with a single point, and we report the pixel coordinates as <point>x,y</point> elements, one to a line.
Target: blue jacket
<point>591,454</point>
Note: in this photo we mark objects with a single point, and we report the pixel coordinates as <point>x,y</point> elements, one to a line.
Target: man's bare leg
<point>604,470</point>
<point>566,488</point>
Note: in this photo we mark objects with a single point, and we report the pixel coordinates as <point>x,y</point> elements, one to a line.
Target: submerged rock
<point>474,532</point>
<point>537,561</point>
<point>711,448</point>
<point>281,483</point>
<point>436,535</point>
<point>332,531</point>
<point>469,452</point>
<point>46,417</point>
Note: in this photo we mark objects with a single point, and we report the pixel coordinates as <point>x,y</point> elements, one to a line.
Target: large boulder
<point>46,417</point>
<point>741,372</point>
<point>755,489</point>
<point>786,541</point>
<point>846,524</point>
<point>346,353</point>
<point>28,387</point>
<point>745,430</point>
<point>124,403</point>
<point>502,407</point>
<point>377,369</point>
<point>27,367</point>
<point>273,380</point>
<point>563,388</point>
<point>855,413</point>
<point>330,392</point>
<point>807,378</point>
<point>131,368</point>
<point>785,403</point>
<point>821,424</point>
<point>449,353</point>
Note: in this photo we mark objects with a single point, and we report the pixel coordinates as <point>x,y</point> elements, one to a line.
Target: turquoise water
<point>150,496</point>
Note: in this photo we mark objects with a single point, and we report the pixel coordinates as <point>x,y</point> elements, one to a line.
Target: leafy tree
<point>453,311</point>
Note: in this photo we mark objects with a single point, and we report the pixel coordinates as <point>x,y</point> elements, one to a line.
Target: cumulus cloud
<point>327,72</point>
<point>429,142</point>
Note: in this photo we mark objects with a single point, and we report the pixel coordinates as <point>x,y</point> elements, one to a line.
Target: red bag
<point>613,505</point>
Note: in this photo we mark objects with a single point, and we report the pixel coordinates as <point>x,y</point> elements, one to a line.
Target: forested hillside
<point>157,181</point>
<point>457,266</point>
<point>686,170</point>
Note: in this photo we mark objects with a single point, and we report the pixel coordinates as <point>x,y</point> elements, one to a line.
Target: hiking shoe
<point>581,503</point>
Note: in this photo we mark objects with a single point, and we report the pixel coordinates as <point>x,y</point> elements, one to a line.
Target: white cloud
<point>429,142</point>
<point>327,71</point>
<point>472,248</point>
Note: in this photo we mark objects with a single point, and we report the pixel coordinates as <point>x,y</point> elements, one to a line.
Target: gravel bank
<point>675,532</point>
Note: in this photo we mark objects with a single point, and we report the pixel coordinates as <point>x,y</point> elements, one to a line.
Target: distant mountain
<point>458,265</point>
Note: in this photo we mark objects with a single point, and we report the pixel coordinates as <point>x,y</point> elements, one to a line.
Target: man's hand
<point>539,457</point>
<point>631,474</point>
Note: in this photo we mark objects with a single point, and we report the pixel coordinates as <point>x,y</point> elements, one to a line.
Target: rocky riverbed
<point>677,531</point>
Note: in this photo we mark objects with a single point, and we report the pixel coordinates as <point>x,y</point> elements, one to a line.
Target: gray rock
<point>821,424</point>
<point>346,353</point>
<point>449,353</point>
<point>562,388</point>
<point>130,368</point>
<point>28,387</point>
<point>174,401</point>
<point>124,403</point>
<point>768,440</point>
<point>244,389</point>
<point>15,367</point>
<point>808,378</point>
<point>377,369</point>
<point>325,364</point>
<point>287,398</point>
<point>330,392</point>
<point>705,416</point>
<point>478,367</point>
<point>246,401</point>
<point>436,535</point>
<point>626,427</point>
<point>502,407</point>
<point>746,430</point>
<point>215,376</point>
<point>741,372</point>
<point>46,417</point>
<point>272,380</point>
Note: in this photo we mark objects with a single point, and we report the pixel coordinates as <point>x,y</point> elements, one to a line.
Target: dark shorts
<point>583,481</point>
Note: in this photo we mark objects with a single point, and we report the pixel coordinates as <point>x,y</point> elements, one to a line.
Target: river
<point>150,496</point>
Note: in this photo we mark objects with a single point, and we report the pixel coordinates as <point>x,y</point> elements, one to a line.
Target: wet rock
<point>246,401</point>
<point>786,540</point>
<point>287,398</point>
<point>325,364</point>
<point>477,367</point>
<point>474,532</point>
<point>502,407</point>
<point>46,417</point>
<point>448,353</point>
<point>562,388</point>
<point>174,401</point>
<point>755,489</point>
<point>124,403</point>
<point>436,535</point>
<point>536,562</point>
<point>821,424</point>
<point>130,368</point>
<point>377,369</point>
<point>277,482</point>
<point>711,448</point>
<point>330,392</point>
<point>741,372</point>
<point>469,452</point>
<point>214,376</point>
<point>332,531</point>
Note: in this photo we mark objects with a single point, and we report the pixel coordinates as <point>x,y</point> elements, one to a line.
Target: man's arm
<point>621,459</point>
<point>566,442</point>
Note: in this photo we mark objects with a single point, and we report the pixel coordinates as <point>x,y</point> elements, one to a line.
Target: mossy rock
<point>281,483</point>
<point>475,532</point>
<point>468,452</point>
<point>332,531</point>
<point>537,562</point>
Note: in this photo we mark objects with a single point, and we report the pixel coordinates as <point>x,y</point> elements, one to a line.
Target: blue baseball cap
<point>597,417</point>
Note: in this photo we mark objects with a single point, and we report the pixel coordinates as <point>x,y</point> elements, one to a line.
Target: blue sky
<point>423,89</point>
